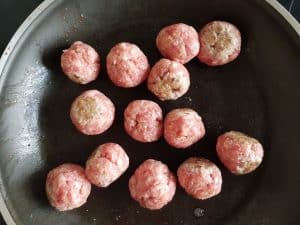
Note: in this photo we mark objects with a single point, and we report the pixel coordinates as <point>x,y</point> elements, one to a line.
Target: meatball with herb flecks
<point>143,120</point>
<point>200,178</point>
<point>92,112</point>
<point>106,164</point>
<point>67,187</point>
<point>239,153</point>
<point>127,66</point>
<point>220,43</point>
<point>168,80</point>
<point>81,63</point>
<point>152,185</point>
<point>183,127</point>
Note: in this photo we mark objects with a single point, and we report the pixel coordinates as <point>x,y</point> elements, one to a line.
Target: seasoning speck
<point>198,212</point>
<point>118,218</point>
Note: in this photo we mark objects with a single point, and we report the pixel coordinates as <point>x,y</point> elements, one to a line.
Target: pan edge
<point>6,213</point>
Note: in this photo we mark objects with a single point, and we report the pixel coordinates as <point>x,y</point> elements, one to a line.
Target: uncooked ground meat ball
<point>80,62</point>
<point>106,164</point>
<point>240,153</point>
<point>183,127</point>
<point>143,120</point>
<point>67,187</point>
<point>152,185</point>
<point>127,66</point>
<point>92,112</point>
<point>220,43</point>
<point>168,80</point>
<point>178,42</point>
<point>200,178</point>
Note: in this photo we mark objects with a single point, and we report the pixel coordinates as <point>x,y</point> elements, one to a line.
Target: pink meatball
<point>67,187</point>
<point>168,80</point>
<point>143,120</point>
<point>127,66</point>
<point>183,127</point>
<point>220,43</point>
<point>178,42</point>
<point>238,152</point>
<point>200,178</point>
<point>81,63</point>
<point>92,112</point>
<point>106,164</point>
<point>152,185</point>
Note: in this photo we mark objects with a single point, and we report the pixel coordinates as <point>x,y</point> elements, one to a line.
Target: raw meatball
<point>67,187</point>
<point>200,178</point>
<point>153,185</point>
<point>106,164</point>
<point>220,43</point>
<point>178,42</point>
<point>240,153</point>
<point>127,66</point>
<point>143,120</point>
<point>168,80</point>
<point>183,127</point>
<point>92,112</point>
<point>81,63</point>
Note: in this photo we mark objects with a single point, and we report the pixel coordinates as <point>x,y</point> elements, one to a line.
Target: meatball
<point>67,187</point>
<point>168,80</point>
<point>178,42</point>
<point>220,43</point>
<point>153,185</point>
<point>106,164</point>
<point>143,120</point>
<point>183,127</point>
<point>127,66</point>
<point>239,153</point>
<point>81,63</point>
<point>92,112</point>
<point>200,178</point>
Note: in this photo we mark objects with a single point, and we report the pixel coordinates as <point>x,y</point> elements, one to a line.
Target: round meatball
<point>106,164</point>
<point>67,187</point>
<point>152,185</point>
<point>143,120</point>
<point>81,63</point>
<point>220,43</point>
<point>168,80</point>
<point>200,178</point>
<point>92,112</point>
<point>239,153</point>
<point>183,127</point>
<point>127,66</point>
<point>178,42</point>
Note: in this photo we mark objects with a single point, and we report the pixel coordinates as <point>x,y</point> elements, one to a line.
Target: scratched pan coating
<point>258,94</point>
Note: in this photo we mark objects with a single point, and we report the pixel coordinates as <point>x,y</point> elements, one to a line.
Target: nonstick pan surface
<point>257,94</point>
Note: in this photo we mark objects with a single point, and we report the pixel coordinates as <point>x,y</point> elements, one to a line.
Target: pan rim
<point>4,210</point>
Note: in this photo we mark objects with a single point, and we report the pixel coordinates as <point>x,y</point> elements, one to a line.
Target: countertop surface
<point>14,12</point>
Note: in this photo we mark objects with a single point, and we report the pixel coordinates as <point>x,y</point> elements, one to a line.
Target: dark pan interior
<point>258,94</point>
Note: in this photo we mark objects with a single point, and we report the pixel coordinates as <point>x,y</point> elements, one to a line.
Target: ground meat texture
<point>127,66</point>
<point>238,152</point>
<point>200,178</point>
<point>81,63</point>
<point>106,164</point>
<point>178,42</point>
<point>183,127</point>
<point>67,187</point>
<point>220,43</point>
<point>168,80</point>
<point>92,112</point>
<point>152,185</point>
<point>143,120</point>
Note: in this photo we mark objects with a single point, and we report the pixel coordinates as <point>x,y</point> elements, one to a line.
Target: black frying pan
<point>258,94</point>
